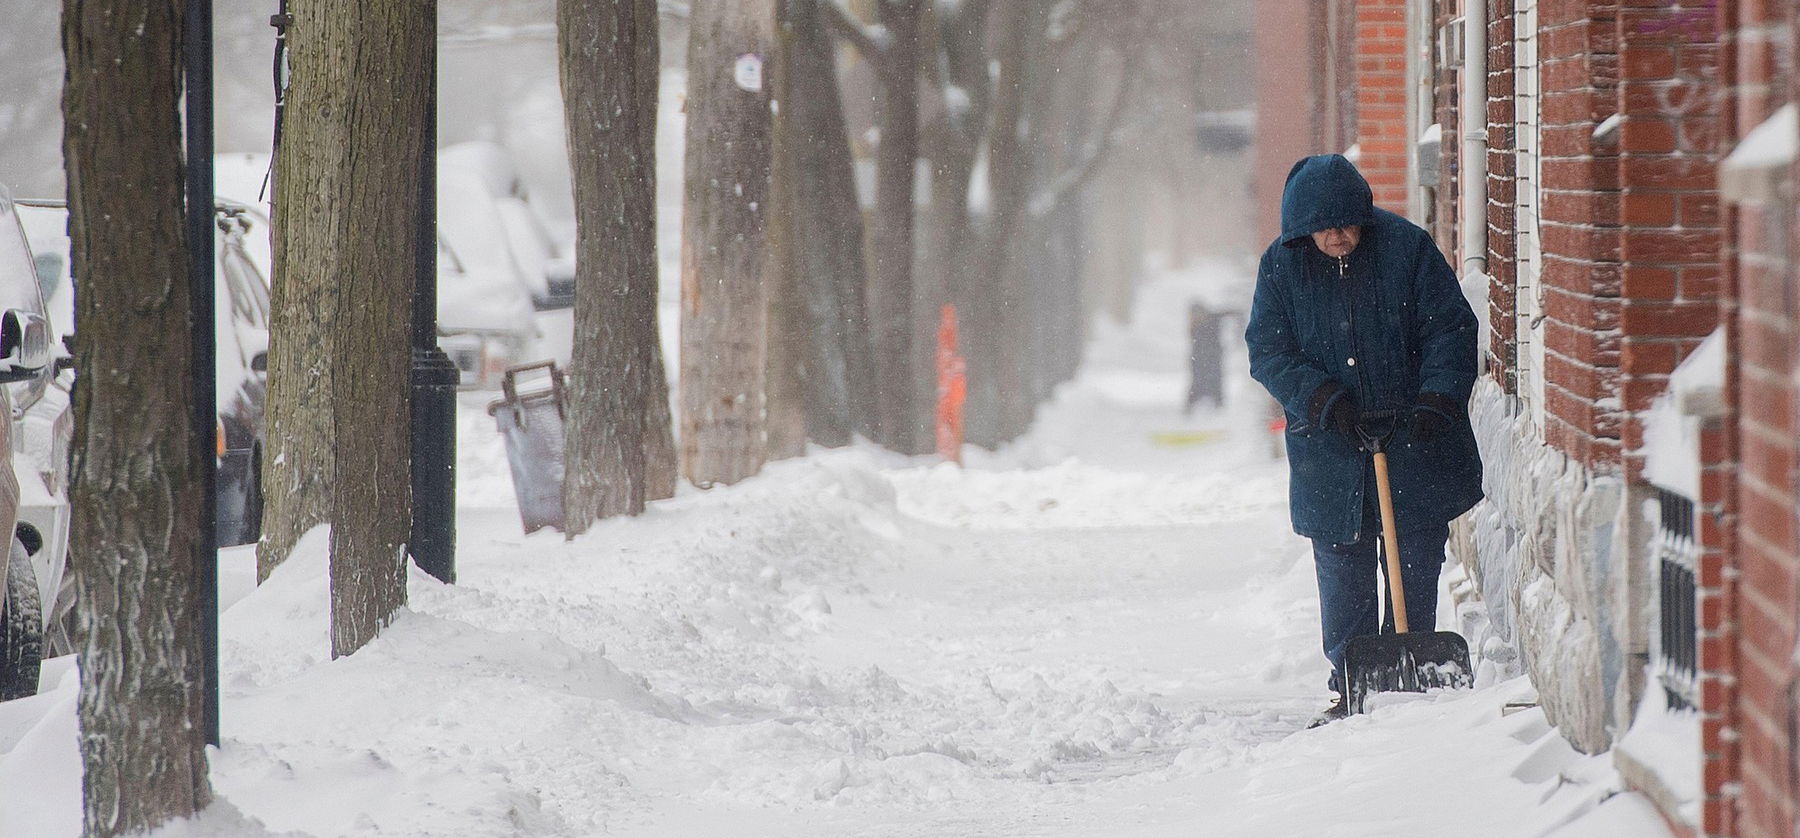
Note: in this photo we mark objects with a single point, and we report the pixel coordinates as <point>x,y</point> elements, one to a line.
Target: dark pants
<point>1348,583</point>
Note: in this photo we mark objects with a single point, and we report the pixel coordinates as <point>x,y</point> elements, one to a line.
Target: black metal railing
<point>1676,658</point>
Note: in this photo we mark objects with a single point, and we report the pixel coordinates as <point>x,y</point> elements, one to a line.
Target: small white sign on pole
<point>750,72</point>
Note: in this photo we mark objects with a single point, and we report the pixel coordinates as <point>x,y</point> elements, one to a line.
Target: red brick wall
<point>1381,129</point>
<point>1765,545</point>
<point>1668,149</point>
<point>1749,616</point>
<point>1288,100</point>
<point>1752,660</point>
<point>1579,71</point>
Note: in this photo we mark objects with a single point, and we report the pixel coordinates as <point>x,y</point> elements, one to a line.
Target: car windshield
<point>249,293</point>
<point>47,232</point>
<point>19,289</point>
<point>18,272</point>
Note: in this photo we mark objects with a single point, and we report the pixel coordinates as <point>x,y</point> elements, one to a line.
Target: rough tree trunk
<point>901,421</point>
<point>821,383</point>
<point>137,501</point>
<point>363,209</point>
<point>299,456</point>
<point>662,463</point>
<point>785,379</point>
<point>724,317</point>
<point>952,143</point>
<point>609,61</point>
<point>994,333</point>
<point>784,384</point>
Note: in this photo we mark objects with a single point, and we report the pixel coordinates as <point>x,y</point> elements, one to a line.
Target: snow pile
<point>1076,496</point>
<point>1664,740</point>
<point>852,643</point>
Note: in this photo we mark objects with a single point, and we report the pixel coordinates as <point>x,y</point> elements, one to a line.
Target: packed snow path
<point>1107,629</point>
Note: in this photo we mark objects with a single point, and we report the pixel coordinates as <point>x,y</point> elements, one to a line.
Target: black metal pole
<point>434,377</point>
<point>197,67</point>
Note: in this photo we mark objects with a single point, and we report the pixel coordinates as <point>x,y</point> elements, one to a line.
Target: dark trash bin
<point>1206,358</point>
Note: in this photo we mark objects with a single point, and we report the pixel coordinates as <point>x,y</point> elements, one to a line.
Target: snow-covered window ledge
<point>1756,172</point>
<point>1660,757</point>
<point>1673,423</point>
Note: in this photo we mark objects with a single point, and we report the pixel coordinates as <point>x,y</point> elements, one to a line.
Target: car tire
<point>21,628</point>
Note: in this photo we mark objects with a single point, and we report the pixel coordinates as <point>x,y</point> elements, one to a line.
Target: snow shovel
<point>1404,661</point>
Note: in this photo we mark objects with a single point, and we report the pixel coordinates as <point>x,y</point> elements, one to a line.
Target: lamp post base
<point>434,381</point>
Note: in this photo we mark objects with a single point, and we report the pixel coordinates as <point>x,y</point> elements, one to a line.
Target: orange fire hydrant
<point>952,387</point>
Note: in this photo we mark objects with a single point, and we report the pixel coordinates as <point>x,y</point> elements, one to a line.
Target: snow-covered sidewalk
<point>1107,629</point>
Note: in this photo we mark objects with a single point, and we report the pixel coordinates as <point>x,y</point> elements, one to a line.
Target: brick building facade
<point>1639,551</point>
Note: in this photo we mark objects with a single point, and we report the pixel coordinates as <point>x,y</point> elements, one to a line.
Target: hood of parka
<point>1323,192</point>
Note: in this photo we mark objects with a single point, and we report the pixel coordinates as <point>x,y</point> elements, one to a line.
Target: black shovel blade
<point>1412,662</point>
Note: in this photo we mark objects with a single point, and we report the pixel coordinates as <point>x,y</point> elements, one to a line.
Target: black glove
<point>1433,413</point>
<point>1332,407</point>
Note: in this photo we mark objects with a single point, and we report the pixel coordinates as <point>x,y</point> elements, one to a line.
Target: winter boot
<point>1338,710</point>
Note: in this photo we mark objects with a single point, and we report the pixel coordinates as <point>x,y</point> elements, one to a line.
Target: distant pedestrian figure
<point>1205,358</point>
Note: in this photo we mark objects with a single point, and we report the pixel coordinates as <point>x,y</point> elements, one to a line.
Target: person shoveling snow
<point>1357,315</point>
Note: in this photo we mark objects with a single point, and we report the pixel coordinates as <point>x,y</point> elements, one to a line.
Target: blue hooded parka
<point>1388,323</point>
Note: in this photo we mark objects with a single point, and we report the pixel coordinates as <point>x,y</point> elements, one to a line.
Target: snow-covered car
<point>498,267</point>
<point>241,314</point>
<point>34,505</point>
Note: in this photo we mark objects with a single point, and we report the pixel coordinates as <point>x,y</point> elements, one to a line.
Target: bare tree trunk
<point>901,421</point>
<point>952,143</point>
<point>785,382</point>
<point>1066,110</point>
<point>821,359</point>
<point>367,211</point>
<point>313,163</point>
<point>785,385</point>
<point>724,327</point>
<point>609,62</point>
<point>994,334</point>
<point>662,463</point>
<point>137,501</point>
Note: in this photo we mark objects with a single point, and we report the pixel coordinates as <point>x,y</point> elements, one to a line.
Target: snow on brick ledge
<point>1672,425</point>
<point>1756,170</point>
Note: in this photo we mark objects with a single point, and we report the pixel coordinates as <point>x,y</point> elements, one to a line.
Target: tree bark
<point>900,421</point>
<point>348,223</point>
<point>662,462</point>
<point>723,305</point>
<point>137,504</point>
<point>609,62</point>
<point>949,268</point>
<point>821,360</point>
<point>313,164</point>
<point>995,334</point>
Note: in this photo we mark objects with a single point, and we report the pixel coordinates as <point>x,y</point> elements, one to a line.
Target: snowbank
<point>853,643</point>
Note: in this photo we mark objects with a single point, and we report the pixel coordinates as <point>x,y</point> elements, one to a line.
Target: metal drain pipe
<point>1473,115</point>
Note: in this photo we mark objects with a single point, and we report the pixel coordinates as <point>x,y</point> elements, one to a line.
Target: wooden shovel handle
<point>1390,535</point>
